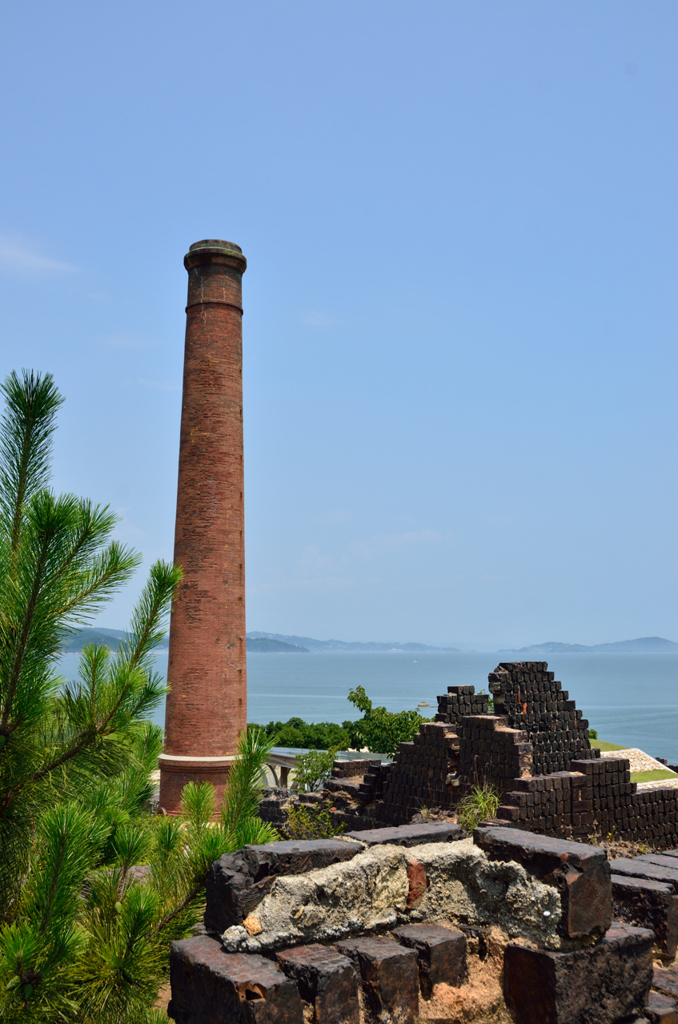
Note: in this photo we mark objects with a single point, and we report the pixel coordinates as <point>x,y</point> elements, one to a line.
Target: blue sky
<point>460,307</point>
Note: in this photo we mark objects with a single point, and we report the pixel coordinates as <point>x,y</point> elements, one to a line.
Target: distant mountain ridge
<point>279,643</point>
<point>643,645</point>
<point>355,647</point>
<point>265,645</point>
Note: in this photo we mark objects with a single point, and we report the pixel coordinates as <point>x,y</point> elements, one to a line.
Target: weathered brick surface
<point>666,982</point>
<point>647,904</point>
<point>237,882</point>
<point>662,860</point>
<point>660,1009</point>
<point>580,873</point>
<point>389,974</point>
<point>441,953</point>
<point>534,748</point>
<point>601,984</point>
<point>326,979</point>
<point>637,868</point>
<point>207,669</point>
<point>410,835</point>
<point>213,987</point>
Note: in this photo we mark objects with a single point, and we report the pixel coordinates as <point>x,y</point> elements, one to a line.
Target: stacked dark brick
<point>610,787</point>
<point>423,773</point>
<point>597,796</point>
<point>557,805</point>
<point>533,701</point>
<point>460,701</point>
<point>490,751</point>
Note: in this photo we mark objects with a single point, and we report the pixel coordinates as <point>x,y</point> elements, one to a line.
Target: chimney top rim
<point>214,243</point>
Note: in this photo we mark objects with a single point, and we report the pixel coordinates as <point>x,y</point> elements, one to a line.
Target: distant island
<point>110,638</point>
<point>267,645</point>
<point>644,645</point>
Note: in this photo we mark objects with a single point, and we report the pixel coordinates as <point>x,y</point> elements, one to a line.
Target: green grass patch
<point>655,776</point>
<point>603,745</point>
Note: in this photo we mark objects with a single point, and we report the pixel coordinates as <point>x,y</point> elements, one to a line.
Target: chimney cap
<point>214,243</point>
<point>209,248</point>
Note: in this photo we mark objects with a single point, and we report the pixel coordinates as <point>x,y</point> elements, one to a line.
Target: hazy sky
<point>460,309</point>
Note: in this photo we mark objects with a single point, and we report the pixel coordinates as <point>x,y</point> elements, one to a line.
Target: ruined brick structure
<point>207,671</point>
<point>534,749</point>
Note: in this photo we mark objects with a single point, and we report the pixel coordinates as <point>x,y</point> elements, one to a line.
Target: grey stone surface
<point>372,891</point>
<point>237,882</point>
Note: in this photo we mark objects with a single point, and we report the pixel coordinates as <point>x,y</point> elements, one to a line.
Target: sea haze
<point>629,698</point>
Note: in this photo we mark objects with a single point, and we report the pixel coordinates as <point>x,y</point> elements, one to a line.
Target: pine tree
<point>92,886</point>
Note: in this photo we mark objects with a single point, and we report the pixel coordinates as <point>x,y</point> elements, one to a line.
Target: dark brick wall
<point>533,700</point>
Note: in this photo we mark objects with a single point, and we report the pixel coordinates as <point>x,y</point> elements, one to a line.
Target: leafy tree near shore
<point>84,930</point>
<point>380,730</point>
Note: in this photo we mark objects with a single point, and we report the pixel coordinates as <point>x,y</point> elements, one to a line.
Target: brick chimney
<point>207,671</point>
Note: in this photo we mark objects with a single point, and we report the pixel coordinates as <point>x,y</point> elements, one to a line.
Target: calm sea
<point>630,699</point>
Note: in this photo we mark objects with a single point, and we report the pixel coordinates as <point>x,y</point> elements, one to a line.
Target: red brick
<point>207,705</point>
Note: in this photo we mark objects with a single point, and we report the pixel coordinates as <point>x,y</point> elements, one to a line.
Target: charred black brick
<point>601,984</point>
<point>326,979</point>
<point>648,904</point>
<point>634,867</point>
<point>441,953</point>
<point>213,987</point>
<point>661,1009</point>
<point>666,982</point>
<point>389,976</point>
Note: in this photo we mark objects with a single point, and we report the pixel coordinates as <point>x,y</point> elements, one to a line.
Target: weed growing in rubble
<point>312,821</point>
<point>478,805</point>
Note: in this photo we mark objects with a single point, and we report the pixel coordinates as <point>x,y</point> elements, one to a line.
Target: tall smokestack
<point>207,671</point>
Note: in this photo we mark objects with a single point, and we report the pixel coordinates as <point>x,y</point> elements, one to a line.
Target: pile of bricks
<point>557,804</point>
<point>602,973</point>
<point>460,701</point>
<point>533,701</point>
<point>424,773</point>
<point>492,752</point>
<point>609,782</point>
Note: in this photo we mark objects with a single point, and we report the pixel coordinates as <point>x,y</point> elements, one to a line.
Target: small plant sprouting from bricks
<point>314,769</point>
<point>312,821</point>
<point>478,805</point>
<point>490,701</point>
